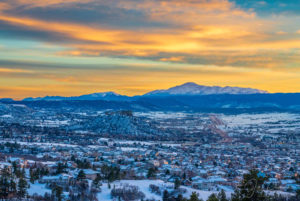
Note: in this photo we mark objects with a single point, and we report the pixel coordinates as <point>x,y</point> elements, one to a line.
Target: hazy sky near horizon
<point>73,47</point>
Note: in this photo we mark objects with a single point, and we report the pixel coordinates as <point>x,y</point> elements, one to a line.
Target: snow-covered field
<point>161,115</point>
<point>262,124</point>
<point>40,144</point>
<point>39,189</point>
<point>144,187</point>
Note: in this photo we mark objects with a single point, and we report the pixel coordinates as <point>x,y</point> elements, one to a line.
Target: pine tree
<point>60,168</point>
<point>22,187</point>
<point>177,184</point>
<point>31,173</point>
<point>165,195</point>
<point>194,197</point>
<point>151,173</point>
<point>236,196</point>
<point>3,187</point>
<point>251,188</point>
<point>22,184</point>
<point>213,197</point>
<point>97,180</point>
<point>57,191</point>
<point>12,186</point>
<point>81,175</point>
<point>222,196</point>
<point>179,198</point>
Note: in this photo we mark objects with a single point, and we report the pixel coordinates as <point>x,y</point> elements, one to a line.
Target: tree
<point>32,175</point>
<point>222,196</point>
<point>213,197</point>
<point>236,196</point>
<point>151,173</point>
<point>177,183</point>
<point>81,175</point>
<point>57,191</point>
<point>60,168</point>
<point>194,197</point>
<point>3,187</point>
<point>22,187</point>
<point>180,198</point>
<point>165,195</point>
<point>97,180</point>
<point>251,187</point>
<point>298,194</point>
<point>12,186</point>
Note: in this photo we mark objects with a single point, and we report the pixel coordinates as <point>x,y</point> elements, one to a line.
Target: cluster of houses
<point>210,167</point>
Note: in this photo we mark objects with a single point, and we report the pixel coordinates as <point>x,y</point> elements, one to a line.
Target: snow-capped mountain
<point>109,96</point>
<point>191,88</point>
<point>188,88</point>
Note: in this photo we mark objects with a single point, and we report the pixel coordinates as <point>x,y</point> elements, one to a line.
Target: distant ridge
<point>189,88</point>
<point>109,96</point>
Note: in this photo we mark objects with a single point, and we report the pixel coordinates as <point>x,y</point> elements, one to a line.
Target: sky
<point>74,47</point>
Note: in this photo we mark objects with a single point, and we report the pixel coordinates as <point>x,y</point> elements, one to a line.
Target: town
<point>146,155</point>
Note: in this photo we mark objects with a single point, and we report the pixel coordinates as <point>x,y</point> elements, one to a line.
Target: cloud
<point>8,70</point>
<point>194,30</point>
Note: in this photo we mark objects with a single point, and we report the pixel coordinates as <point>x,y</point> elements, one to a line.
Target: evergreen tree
<point>60,168</point>
<point>3,187</point>
<point>165,195</point>
<point>151,173</point>
<point>236,196</point>
<point>12,186</point>
<point>194,197</point>
<point>22,187</point>
<point>180,198</point>
<point>213,197</point>
<point>57,192</point>
<point>97,180</point>
<point>222,196</point>
<point>251,188</point>
<point>81,175</point>
<point>31,175</point>
<point>177,184</point>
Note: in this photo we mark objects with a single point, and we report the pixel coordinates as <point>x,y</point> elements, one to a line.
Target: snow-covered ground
<point>262,124</point>
<point>161,115</point>
<point>41,144</point>
<point>144,187</point>
<point>39,189</point>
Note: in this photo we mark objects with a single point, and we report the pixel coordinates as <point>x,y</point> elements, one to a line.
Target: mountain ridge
<point>188,88</point>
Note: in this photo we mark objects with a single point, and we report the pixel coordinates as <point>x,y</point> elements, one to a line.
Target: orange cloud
<point>172,59</point>
<point>8,70</point>
<point>52,3</point>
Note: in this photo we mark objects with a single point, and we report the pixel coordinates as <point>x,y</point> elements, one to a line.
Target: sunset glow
<point>73,47</point>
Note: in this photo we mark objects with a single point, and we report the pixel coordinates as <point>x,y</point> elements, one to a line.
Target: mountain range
<point>108,96</point>
<point>187,97</point>
<point>187,89</point>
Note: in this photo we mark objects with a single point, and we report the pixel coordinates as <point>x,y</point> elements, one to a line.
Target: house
<point>62,179</point>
